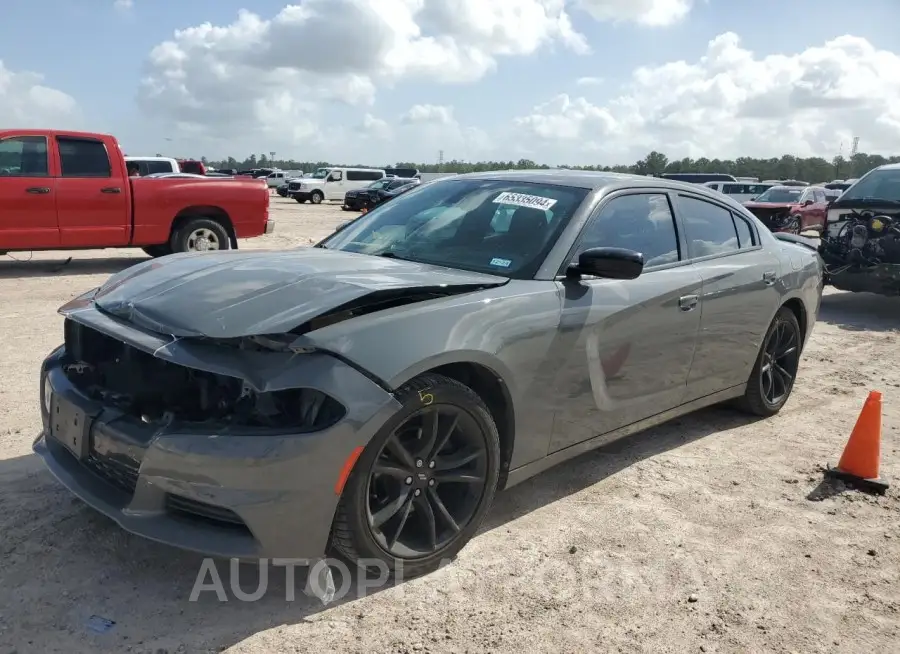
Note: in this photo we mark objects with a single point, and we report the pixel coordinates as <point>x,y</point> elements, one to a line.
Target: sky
<point>375,82</point>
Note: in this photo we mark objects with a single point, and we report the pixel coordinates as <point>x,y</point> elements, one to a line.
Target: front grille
<point>197,510</point>
<point>118,472</point>
<point>294,186</point>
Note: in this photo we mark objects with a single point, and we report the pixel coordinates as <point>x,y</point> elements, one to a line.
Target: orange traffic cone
<point>860,461</point>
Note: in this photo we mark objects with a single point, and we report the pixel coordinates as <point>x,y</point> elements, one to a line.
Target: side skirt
<point>529,470</point>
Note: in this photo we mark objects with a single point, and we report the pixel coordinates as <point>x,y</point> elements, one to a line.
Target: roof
<point>590,179</point>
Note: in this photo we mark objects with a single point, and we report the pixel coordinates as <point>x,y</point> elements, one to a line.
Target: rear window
<point>881,184</point>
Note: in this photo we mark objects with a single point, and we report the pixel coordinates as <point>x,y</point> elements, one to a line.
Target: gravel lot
<point>712,533</point>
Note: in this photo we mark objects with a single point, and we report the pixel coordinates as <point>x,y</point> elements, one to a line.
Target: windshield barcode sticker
<point>524,200</point>
<point>502,263</point>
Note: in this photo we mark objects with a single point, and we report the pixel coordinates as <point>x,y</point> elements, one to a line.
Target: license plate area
<point>70,426</point>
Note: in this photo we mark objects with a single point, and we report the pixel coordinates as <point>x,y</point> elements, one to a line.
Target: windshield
<point>321,173</point>
<point>781,195</point>
<point>381,183</point>
<point>879,184</point>
<point>492,226</point>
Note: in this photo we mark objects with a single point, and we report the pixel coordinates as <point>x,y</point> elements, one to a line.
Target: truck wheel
<point>301,200</point>
<point>200,235</point>
<point>158,250</point>
<point>316,197</point>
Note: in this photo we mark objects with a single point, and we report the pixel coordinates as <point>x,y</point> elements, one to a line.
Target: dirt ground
<point>712,533</point>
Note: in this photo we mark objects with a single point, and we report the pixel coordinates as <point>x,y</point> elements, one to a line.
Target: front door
<point>627,345</point>
<point>92,203</point>
<point>739,297</point>
<point>334,186</point>
<point>27,195</point>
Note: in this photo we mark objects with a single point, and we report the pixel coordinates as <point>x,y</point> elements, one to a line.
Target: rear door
<point>627,345</point>
<point>27,195</point>
<point>92,203</point>
<point>739,296</point>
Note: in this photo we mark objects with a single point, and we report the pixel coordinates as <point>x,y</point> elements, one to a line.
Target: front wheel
<point>793,225</point>
<point>316,197</point>
<point>772,378</point>
<point>200,235</point>
<point>422,486</point>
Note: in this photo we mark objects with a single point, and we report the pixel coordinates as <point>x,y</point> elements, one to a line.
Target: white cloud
<point>652,13</point>
<point>25,102</point>
<point>123,5</point>
<point>589,81</point>
<point>257,77</point>
<point>732,103</point>
<point>428,114</point>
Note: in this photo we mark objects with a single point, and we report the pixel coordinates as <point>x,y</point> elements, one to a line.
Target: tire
<point>158,250</point>
<point>185,238</point>
<point>351,534</point>
<point>794,225</point>
<point>300,200</point>
<point>755,400</point>
<point>316,197</point>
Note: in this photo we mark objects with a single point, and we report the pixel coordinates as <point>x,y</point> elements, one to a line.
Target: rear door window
<point>709,228</point>
<point>83,157</point>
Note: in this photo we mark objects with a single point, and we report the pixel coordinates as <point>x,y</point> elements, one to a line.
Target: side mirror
<point>806,203</point>
<point>611,263</point>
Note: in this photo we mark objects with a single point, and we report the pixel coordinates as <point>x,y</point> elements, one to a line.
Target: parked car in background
<point>380,196</point>
<point>698,178</point>
<point>392,378</point>
<point>66,190</point>
<point>792,209</point>
<point>150,165</point>
<point>332,183</point>
<point>359,199</point>
<point>278,177</point>
<point>192,166</point>
<point>861,243</point>
<point>739,191</point>
<point>401,172</point>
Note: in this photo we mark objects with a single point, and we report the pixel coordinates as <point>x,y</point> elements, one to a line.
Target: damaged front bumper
<point>880,279</point>
<point>228,490</point>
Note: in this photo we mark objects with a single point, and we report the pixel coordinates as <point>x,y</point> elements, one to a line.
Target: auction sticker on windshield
<point>525,200</point>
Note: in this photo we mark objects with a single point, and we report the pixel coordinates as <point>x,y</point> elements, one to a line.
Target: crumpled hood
<point>238,293</point>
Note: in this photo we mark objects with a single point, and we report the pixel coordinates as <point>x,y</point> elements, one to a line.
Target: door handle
<point>111,189</point>
<point>688,302</point>
<point>38,190</point>
<point>769,277</point>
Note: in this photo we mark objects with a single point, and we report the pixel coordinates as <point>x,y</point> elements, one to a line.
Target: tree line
<point>811,169</point>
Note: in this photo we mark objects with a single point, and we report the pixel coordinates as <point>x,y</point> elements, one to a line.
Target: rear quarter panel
<point>158,201</point>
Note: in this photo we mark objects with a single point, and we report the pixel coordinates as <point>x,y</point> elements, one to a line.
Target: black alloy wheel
<point>427,482</point>
<point>772,378</point>
<point>420,489</point>
<point>781,359</point>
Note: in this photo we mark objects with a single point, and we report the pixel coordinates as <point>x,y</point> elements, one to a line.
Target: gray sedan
<point>369,395</point>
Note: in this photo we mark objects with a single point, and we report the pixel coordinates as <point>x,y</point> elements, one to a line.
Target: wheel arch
<point>795,305</point>
<point>210,212</point>
<point>489,380</point>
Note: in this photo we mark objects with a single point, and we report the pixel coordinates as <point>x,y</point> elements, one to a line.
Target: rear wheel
<point>773,375</point>
<point>300,200</point>
<point>421,488</point>
<point>200,235</point>
<point>316,197</point>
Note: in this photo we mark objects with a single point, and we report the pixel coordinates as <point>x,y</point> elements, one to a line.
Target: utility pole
<point>440,161</point>
<point>855,148</point>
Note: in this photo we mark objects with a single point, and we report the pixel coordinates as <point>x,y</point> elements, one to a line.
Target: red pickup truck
<point>63,190</point>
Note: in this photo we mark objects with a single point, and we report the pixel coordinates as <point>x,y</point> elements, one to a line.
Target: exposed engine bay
<point>777,219</point>
<point>160,392</point>
<point>861,251</point>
